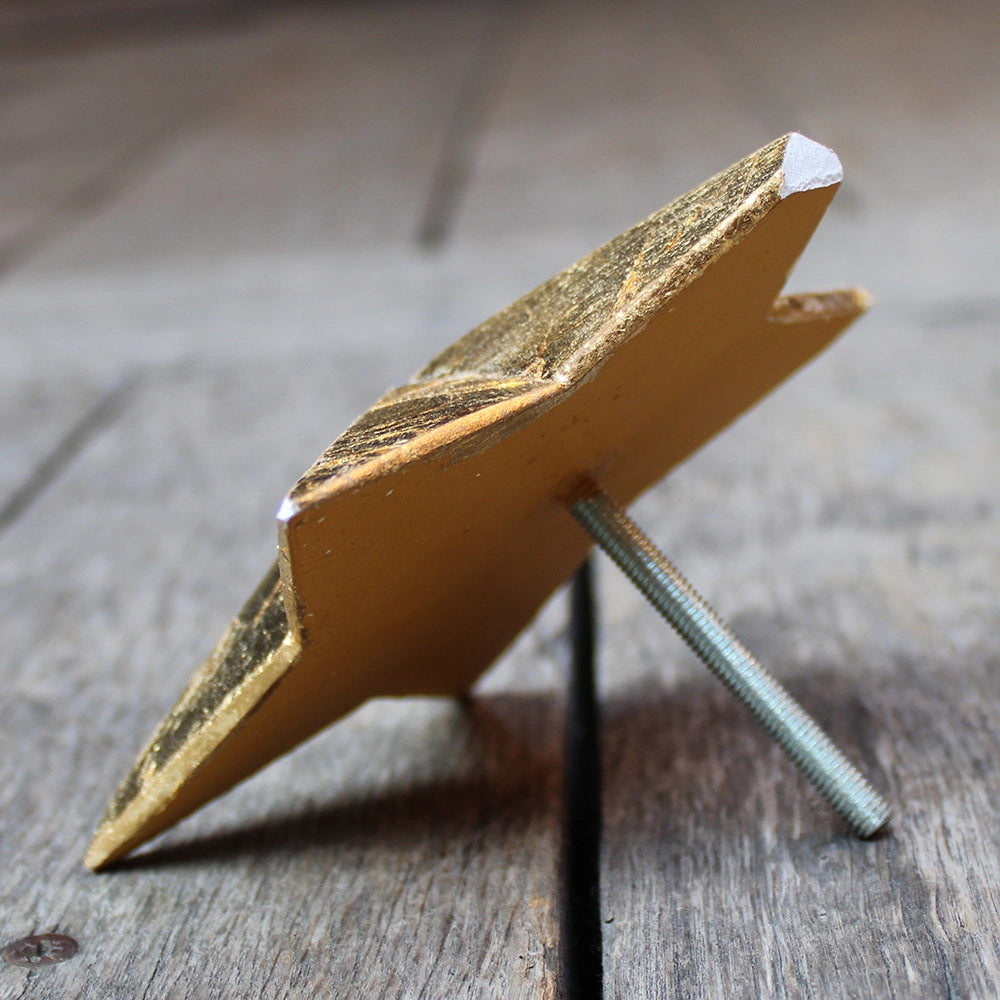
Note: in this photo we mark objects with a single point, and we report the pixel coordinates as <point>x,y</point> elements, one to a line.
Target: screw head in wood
<point>39,949</point>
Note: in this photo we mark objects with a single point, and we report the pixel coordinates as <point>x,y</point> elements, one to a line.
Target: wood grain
<point>725,853</point>
<point>107,600</point>
<point>846,528</point>
<point>426,784</point>
<point>42,420</point>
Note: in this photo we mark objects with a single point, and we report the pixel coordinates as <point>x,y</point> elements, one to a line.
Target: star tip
<point>110,843</point>
<point>97,857</point>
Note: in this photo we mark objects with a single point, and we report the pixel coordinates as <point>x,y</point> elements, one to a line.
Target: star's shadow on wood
<point>468,770</point>
<point>677,763</point>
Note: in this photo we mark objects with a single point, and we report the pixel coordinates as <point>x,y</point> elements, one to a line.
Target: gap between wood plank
<point>94,192</point>
<point>581,940</point>
<point>86,198</point>
<point>466,126</point>
<point>56,462</point>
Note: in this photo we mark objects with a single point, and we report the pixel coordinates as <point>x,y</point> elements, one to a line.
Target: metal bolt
<point>815,754</point>
<point>39,949</point>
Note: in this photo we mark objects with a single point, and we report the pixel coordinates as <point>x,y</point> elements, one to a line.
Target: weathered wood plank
<point>902,91</point>
<point>83,122</point>
<point>329,137</point>
<point>723,873</point>
<point>600,119</point>
<point>847,529</point>
<point>413,847</point>
<point>122,572</point>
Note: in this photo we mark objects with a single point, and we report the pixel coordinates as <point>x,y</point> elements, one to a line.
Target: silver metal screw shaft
<point>844,787</point>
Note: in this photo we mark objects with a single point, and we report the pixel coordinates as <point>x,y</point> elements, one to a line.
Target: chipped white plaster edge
<point>808,165</point>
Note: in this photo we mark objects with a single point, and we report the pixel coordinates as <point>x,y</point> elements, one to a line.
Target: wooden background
<point>226,228</point>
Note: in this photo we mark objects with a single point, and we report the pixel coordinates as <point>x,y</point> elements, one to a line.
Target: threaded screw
<point>812,751</point>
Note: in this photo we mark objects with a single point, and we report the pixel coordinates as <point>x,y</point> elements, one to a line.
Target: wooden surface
<point>222,237</point>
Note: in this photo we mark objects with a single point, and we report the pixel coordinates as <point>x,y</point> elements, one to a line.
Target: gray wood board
<point>251,340</point>
<point>328,137</point>
<point>848,528</point>
<point>414,843</point>
<point>853,548</point>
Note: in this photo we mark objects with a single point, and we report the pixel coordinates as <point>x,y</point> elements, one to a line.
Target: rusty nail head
<point>39,949</point>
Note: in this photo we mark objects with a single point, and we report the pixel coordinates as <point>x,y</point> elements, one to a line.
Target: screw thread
<point>812,751</point>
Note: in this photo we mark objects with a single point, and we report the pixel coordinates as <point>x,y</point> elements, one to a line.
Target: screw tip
<point>876,827</point>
